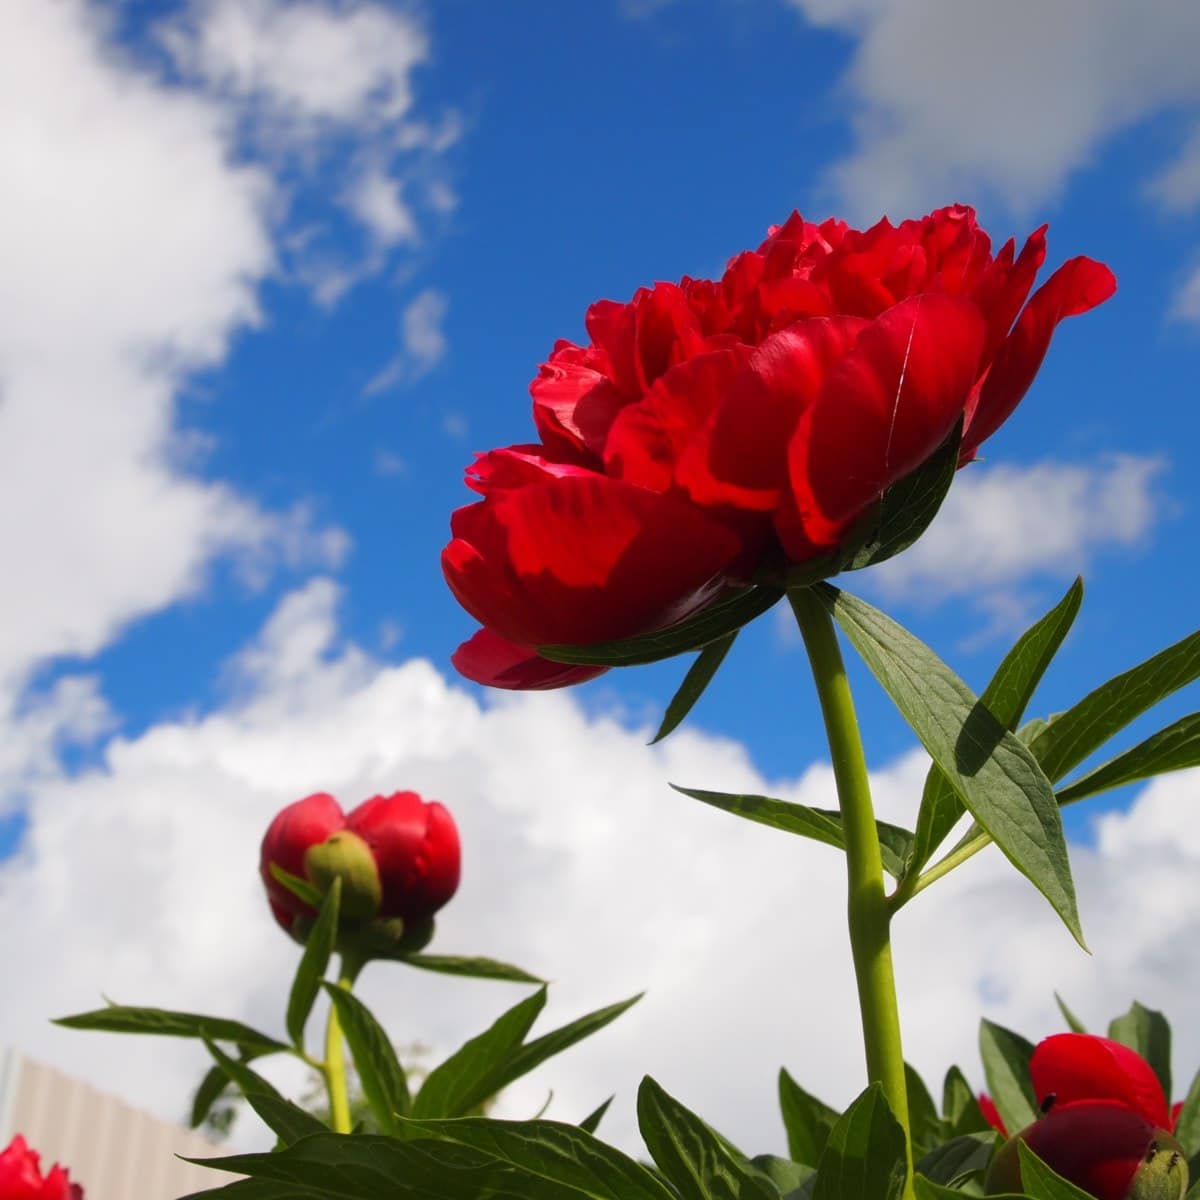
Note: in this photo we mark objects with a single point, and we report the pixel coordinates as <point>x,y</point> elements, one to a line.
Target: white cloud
<point>580,864</point>
<point>422,342</point>
<point>975,100</point>
<point>377,202</point>
<point>132,247</point>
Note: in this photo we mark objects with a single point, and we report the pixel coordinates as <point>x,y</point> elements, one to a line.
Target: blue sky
<point>276,269</point>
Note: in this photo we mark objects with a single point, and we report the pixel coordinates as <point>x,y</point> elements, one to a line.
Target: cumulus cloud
<point>422,342</point>
<point>132,247</point>
<point>580,864</point>
<point>970,99</point>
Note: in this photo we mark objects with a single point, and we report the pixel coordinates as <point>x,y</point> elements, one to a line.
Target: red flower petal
<point>1080,1066</point>
<point>305,823</point>
<point>885,408</point>
<point>517,467</point>
<point>991,1114</point>
<point>489,659</point>
<point>1077,286</point>
<point>574,401</point>
<point>740,456</point>
<point>416,848</point>
<point>583,560</point>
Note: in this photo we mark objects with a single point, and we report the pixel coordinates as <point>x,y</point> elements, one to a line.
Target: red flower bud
<point>397,857</point>
<point>715,432</point>
<point>21,1177</point>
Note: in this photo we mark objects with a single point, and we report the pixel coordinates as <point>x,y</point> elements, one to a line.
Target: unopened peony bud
<point>1163,1174</point>
<point>347,857</point>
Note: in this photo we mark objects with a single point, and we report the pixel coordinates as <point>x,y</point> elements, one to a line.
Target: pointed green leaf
<point>923,1119</point>
<point>476,968</point>
<point>313,964</point>
<point>1006,1058</point>
<point>927,1190</point>
<point>994,774</point>
<point>286,1120</point>
<point>211,1088</point>
<point>384,1083</point>
<point>692,1156</point>
<point>821,824</point>
<point>1074,1024</point>
<point>298,886</point>
<point>554,1154</point>
<point>464,1080</point>
<point>1040,1182</point>
<point>909,505</point>
<point>699,676</point>
<point>718,620</point>
<point>786,1175</point>
<point>960,1106</point>
<point>1146,1031</point>
<point>865,1153</point>
<point>1172,749</point>
<point>1187,1127</point>
<point>806,1119</point>
<point>591,1122</point>
<point>959,1159</point>
<point>1005,697</point>
<point>1071,736</point>
<point>161,1022</point>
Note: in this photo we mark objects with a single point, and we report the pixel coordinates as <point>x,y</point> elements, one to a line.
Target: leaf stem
<point>334,1067</point>
<point>944,866</point>
<point>867,910</point>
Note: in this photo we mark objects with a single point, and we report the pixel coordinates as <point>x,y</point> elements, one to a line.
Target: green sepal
<point>296,884</point>
<point>314,962</point>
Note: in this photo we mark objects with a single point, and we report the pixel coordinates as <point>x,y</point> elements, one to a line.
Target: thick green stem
<point>870,934</point>
<point>335,1052</point>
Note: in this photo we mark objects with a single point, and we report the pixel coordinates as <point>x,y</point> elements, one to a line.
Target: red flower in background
<point>21,1176</point>
<point>711,427</point>
<point>398,856</point>
<point>1105,1123</point>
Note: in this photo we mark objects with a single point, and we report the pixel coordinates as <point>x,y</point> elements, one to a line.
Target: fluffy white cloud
<point>132,247</point>
<point>422,342</point>
<point>977,99</point>
<point>138,880</point>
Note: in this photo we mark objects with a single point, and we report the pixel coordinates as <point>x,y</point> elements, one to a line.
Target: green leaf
<point>909,505</point>
<point>286,1120</point>
<point>258,1189</point>
<point>691,1155</point>
<point>820,824</point>
<point>212,1087</point>
<point>786,1175</point>
<point>1071,736</point>
<point>476,968</point>
<point>960,1105</point>
<point>1187,1127</point>
<point>699,676</point>
<point>1172,749</point>
<point>994,774</point>
<point>806,1119</point>
<point>926,1190</point>
<point>1074,1024</point>
<point>1005,697</point>
<point>162,1022</point>
<point>718,620</point>
<point>958,1159</point>
<point>1040,1182</point>
<point>559,1155</point>
<point>864,1156</point>
<point>1146,1031</point>
<point>591,1122</point>
<point>298,886</point>
<point>1006,1058</point>
<point>383,1080</point>
<point>464,1080</point>
<point>923,1119</point>
<point>371,1167</point>
<point>313,964</point>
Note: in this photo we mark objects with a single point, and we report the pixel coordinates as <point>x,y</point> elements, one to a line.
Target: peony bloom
<point>1104,1126</point>
<point>714,433</point>
<point>21,1176</point>
<point>397,857</point>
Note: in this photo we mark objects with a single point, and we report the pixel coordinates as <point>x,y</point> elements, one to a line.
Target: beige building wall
<point>113,1150</point>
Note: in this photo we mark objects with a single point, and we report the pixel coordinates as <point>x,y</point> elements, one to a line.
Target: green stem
<point>870,933</point>
<point>335,1051</point>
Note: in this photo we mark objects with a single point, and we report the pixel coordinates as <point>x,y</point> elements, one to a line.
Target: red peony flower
<point>1104,1126</point>
<point>397,856</point>
<point>714,429</point>
<point>21,1176</point>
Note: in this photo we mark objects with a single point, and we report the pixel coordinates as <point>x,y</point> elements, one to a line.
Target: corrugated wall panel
<point>113,1150</point>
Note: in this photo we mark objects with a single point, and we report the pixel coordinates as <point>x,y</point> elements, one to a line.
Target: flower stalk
<point>334,1068</point>
<point>867,907</point>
